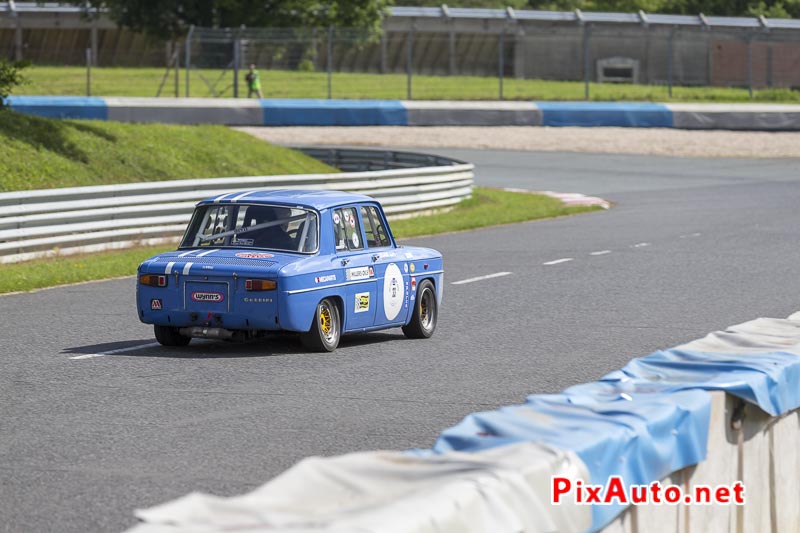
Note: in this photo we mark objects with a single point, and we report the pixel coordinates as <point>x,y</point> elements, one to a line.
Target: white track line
<point>601,252</point>
<point>640,245</point>
<point>558,261</point>
<point>481,278</point>
<point>118,350</point>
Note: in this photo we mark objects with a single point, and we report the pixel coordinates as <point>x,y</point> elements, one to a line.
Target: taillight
<point>153,280</point>
<point>259,285</point>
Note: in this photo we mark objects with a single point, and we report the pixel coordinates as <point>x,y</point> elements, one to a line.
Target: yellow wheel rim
<point>325,321</point>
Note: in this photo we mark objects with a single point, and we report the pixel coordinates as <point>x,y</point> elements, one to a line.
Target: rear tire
<point>168,336</point>
<point>426,311</point>
<point>326,330</point>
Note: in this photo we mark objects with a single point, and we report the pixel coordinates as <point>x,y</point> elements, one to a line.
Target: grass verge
<point>487,207</point>
<point>40,153</point>
<point>114,81</point>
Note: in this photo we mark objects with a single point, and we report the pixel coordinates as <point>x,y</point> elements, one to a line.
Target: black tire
<point>168,336</point>
<point>426,311</point>
<point>326,330</point>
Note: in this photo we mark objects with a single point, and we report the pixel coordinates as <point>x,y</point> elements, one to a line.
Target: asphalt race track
<point>92,427</point>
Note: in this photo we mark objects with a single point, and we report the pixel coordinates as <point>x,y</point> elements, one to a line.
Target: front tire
<point>168,336</point>
<point>426,311</point>
<point>326,330</point>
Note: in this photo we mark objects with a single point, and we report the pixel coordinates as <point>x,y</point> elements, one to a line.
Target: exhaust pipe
<point>198,332</point>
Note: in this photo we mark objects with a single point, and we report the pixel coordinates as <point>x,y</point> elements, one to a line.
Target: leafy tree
<point>10,77</point>
<point>172,18</point>
<point>494,4</point>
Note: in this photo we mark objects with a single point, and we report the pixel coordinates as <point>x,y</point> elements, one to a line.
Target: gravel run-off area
<point>647,141</point>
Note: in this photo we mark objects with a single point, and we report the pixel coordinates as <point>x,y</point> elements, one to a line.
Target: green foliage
<point>172,18</point>
<point>10,77</point>
<point>493,4</point>
<point>298,84</point>
<point>38,153</point>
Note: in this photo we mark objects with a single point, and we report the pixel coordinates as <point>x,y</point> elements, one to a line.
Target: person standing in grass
<point>253,82</point>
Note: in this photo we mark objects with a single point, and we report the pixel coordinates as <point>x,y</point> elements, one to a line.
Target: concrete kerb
<point>299,112</point>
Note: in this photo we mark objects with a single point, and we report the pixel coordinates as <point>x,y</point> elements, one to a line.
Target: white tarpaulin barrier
<point>504,490</point>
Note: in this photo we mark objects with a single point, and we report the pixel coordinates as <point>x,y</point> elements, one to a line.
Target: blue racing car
<point>321,263</point>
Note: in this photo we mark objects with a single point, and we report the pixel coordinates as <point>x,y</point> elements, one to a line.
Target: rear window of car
<point>272,227</point>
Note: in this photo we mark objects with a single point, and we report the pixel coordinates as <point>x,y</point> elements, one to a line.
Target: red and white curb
<point>568,198</point>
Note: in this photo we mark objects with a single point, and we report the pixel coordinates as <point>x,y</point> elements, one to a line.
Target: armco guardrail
<point>713,416</point>
<point>43,223</point>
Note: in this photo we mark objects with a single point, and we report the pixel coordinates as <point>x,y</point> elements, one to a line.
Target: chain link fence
<point>416,61</point>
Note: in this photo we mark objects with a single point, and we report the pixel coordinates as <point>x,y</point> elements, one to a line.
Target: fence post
<point>501,59</point>
<point>330,62</point>
<point>670,53</point>
<point>587,30</point>
<point>17,34</point>
<point>177,57</point>
<point>187,63</point>
<point>409,60</point>
<point>236,66</point>
<point>88,72</point>
<point>750,65</point>
<point>451,45</point>
<point>94,39</point>
<point>384,52</point>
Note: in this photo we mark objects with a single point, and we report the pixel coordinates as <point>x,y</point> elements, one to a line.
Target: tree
<point>171,18</point>
<point>10,77</point>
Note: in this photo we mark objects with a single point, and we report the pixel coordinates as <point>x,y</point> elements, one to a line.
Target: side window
<point>373,227</point>
<point>346,230</point>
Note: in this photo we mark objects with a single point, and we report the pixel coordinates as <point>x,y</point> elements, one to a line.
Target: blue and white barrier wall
<point>291,112</point>
<point>721,413</point>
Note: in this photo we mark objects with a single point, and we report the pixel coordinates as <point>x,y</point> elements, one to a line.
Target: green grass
<point>289,84</point>
<point>487,207</point>
<point>38,153</point>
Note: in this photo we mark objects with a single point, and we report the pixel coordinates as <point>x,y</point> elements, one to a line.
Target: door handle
<point>345,261</point>
<point>375,257</point>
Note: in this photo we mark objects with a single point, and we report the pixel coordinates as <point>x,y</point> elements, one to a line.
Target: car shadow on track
<point>273,345</point>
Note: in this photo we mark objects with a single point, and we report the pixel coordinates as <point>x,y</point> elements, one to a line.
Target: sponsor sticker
<point>355,240</point>
<point>155,304</point>
<point>207,297</point>
<point>336,218</point>
<point>257,300</point>
<point>352,221</point>
<point>208,267</point>
<point>359,273</point>
<point>362,302</point>
<point>413,268</point>
<point>323,279</point>
<point>405,267</point>
<point>254,255</point>
<point>245,242</point>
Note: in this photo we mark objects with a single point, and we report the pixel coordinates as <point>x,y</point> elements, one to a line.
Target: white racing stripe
<point>558,261</point>
<point>184,254</point>
<point>481,278</point>
<point>118,350</point>
<point>601,252</point>
<point>186,268</point>
<point>168,270</point>
<point>207,252</point>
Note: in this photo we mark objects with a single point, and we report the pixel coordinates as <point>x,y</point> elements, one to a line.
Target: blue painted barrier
<point>625,114</point>
<point>60,106</point>
<point>280,112</point>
